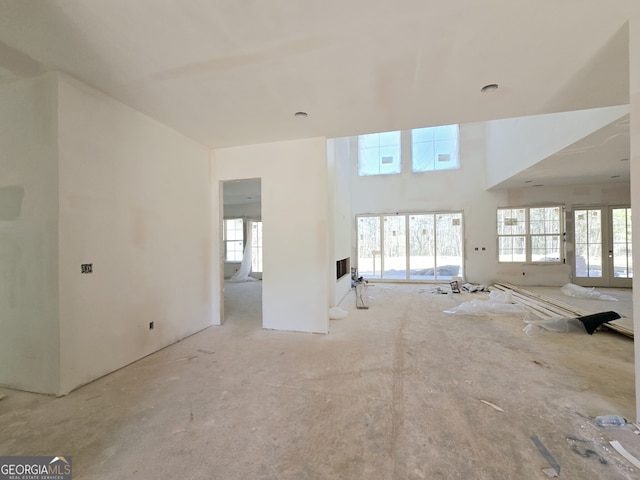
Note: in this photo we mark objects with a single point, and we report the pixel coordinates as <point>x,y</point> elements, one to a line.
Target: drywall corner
<point>134,204</point>
<point>29,318</point>
<point>295,223</point>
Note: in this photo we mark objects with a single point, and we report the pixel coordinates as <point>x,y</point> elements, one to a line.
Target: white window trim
<point>528,235</point>
<point>407,215</point>
<point>406,156</point>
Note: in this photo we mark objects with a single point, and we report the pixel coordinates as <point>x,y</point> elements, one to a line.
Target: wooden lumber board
<point>554,305</point>
<point>540,308</point>
<point>570,308</point>
<point>618,328</point>
<point>576,311</point>
<point>548,300</point>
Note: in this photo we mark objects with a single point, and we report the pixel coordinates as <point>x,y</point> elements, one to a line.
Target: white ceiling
<point>234,72</point>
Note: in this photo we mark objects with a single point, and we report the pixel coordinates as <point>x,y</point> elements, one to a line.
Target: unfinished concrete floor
<point>393,392</point>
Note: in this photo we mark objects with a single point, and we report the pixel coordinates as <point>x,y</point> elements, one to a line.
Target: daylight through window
<point>530,234</point>
<point>421,246</point>
<point>379,153</point>
<point>434,148</point>
<point>233,239</point>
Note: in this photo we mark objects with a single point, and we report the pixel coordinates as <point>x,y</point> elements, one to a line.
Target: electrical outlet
<point>86,268</point>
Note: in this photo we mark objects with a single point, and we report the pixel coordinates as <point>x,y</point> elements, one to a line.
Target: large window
<point>530,234</point>
<point>233,238</point>
<point>434,148</point>
<point>424,150</point>
<point>421,246</point>
<point>379,153</point>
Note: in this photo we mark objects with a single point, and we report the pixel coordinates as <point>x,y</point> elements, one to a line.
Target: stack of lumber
<point>547,307</point>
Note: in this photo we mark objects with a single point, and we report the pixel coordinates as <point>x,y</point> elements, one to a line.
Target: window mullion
<point>407,251</point>
<point>528,243</point>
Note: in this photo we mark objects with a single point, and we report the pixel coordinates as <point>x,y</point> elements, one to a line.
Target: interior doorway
<point>602,237</point>
<point>241,295</point>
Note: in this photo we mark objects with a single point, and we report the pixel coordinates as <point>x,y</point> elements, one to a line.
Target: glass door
<point>395,240</point>
<point>369,259</point>
<point>619,253</point>
<point>422,265</point>
<point>602,239</point>
<point>420,247</point>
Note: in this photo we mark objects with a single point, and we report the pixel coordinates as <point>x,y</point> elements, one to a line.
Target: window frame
<point>256,247</point>
<point>403,146</point>
<point>227,241</point>
<point>361,139</point>
<point>455,151</point>
<point>529,236</point>
<point>438,276</point>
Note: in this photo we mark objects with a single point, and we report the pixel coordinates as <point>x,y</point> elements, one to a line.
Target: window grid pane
<point>512,221</point>
<point>434,148</point>
<point>233,239</point>
<point>537,228</point>
<point>379,153</point>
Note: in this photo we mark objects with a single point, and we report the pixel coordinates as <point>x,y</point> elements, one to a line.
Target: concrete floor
<point>393,392</point>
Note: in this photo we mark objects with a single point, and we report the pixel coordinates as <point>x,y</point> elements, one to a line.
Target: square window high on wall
<point>435,148</point>
<point>379,153</point>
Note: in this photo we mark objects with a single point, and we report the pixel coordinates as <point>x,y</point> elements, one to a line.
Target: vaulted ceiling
<point>234,72</point>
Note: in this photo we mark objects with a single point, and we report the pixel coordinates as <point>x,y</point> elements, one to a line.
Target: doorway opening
<point>241,296</point>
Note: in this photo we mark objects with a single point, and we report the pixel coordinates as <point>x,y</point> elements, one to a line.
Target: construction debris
<point>470,287</point>
<point>554,471</point>
<point>577,291</point>
<point>492,405</point>
<point>622,451</point>
<point>498,304</point>
<point>362,297</point>
<point>441,289</point>
<point>550,308</point>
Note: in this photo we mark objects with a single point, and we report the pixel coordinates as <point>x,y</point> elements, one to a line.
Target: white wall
<point>29,339</point>
<point>295,220</point>
<point>135,201</point>
<point>464,190</point>
<point>339,177</point>
<point>515,144</point>
<point>634,95</point>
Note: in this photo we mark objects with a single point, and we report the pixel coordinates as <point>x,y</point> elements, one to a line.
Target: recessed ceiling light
<point>615,176</point>
<point>528,181</point>
<point>249,198</point>
<point>538,185</point>
<point>301,114</point>
<point>624,160</point>
<point>492,87</point>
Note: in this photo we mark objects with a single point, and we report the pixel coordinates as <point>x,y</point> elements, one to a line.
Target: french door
<point>602,239</point>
